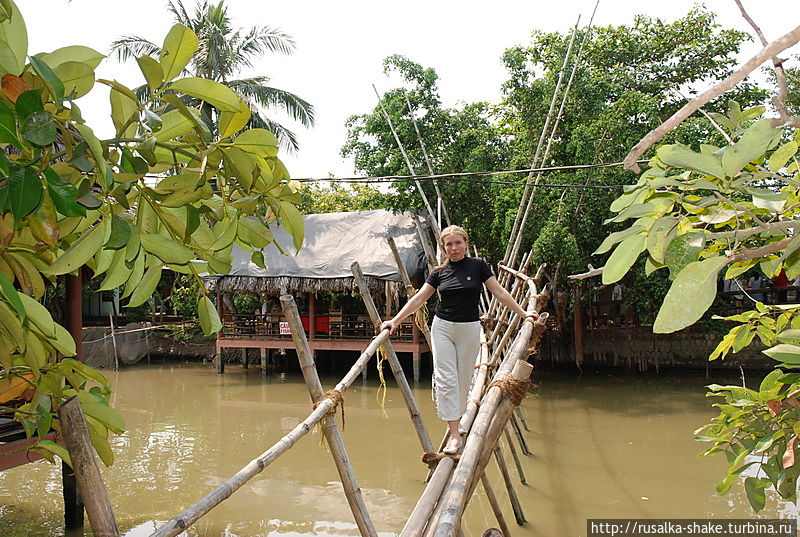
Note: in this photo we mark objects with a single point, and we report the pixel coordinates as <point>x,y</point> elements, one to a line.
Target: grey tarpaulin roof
<point>332,242</point>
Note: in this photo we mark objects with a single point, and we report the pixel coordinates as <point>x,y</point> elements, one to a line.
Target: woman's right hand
<point>390,324</point>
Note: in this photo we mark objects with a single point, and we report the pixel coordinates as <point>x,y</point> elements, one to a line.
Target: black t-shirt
<point>459,284</point>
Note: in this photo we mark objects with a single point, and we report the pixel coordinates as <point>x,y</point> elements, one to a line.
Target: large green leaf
<point>218,95</point>
<point>83,249</point>
<point>146,287</point>
<point>11,295</point>
<point>173,125</point>
<point>660,235</point>
<point>253,233</point>
<point>76,76</point>
<point>232,122</point>
<point>96,150</point>
<point>75,53</point>
<point>14,41</point>
<point>683,157</point>
<point>105,415</point>
<point>166,249</point>
<point>50,78</point>
<point>690,295</point>
<point>40,316</point>
<point>258,141</point>
<point>785,353</point>
<point>179,46</point>
<point>209,318</point>
<point>791,336</point>
<point>24,191</point>
<point>152,71</point>
<point>8,126</point>
<point>781,156</point>
<point>683,250</point>
<point>623,258</point>
<point>293,222</point>
<point>753,143</point>
<point>63,194</point>
<point>120,233</point>
<point>122,110</point>
<point>39,128</point>
<point>117,273</point>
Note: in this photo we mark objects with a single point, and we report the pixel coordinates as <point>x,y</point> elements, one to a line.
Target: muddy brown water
<point>603,447</point>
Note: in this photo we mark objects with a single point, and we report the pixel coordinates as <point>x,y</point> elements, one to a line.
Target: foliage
<point>336,197</point>
<point>247,303</point>
<point>184,296</point>
<point>733,207</point>
<point>69,200</point>
<point>222,52</point>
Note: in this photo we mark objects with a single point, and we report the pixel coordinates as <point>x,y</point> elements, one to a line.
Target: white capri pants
<point>455,351</point>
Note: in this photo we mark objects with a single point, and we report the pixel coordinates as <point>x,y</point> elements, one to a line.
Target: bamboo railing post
<point>351,489</point>
<point>519,514</point>
<point>394,362</point>
<point>498,512</point>
<point>430,251</point>
<point>401,269</point>
<point>87,472</point>
<point>515,456</point>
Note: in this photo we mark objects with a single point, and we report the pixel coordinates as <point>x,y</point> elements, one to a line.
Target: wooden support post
<point>264,362</point>
<point>519,515</point>
<point>244,358</point>
<point>515,456</point>
<point>219,364</point>
<point>498,512</point>
<point>521,415</point>
<point>430,250</point>
<point>523,444</point>
<point>351,488</point>
<point>73,505</point>
<point>394,362</point>
<point>218,361</point>
<point>114,341</point>
<point>578,325</point>
<point>87,473</point>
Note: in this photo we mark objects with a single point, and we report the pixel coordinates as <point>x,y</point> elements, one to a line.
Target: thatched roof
<point>332,242</point>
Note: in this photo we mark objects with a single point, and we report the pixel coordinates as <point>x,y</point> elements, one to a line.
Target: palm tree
<point>222,53</point>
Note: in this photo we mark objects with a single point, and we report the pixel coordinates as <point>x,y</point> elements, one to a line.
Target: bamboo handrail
<point>192,514</point>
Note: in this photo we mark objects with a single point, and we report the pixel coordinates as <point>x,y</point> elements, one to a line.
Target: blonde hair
<point>452,230</point>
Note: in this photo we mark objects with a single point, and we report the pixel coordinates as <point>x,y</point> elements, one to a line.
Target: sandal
<point>452,446</point>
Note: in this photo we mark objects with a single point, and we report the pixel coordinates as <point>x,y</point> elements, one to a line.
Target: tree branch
<point>749,232</point>
<point>752,253</point>
<point>692,106</point>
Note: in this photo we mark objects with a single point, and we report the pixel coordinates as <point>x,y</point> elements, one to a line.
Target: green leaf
<point>102,447</point>
<point>8,126</point>
<point>39,128</point>
<point>770,381</point>
<point>683,250</point>
<point>75,53</point>
<point>782,155</point>
<point>122,110</point>
<point>97,152</point>
<point>660,235</point>
<point>11,295</point>
<point>29,102</point>
<point>623,258</point>
<point>173,125</point>
<point>63,194</point>
<point>217,95</point>
<point>50,78</point>
<point>258,141</point>
<point>166,249</point>
<point>63,341</point>
<point>120,233</point>
<point>56,449</point>
<point>117,273</point>
<point>689,296</point>
<point>225,231</point>
<point>785,353</point>
<point>13,41</point>
<point>680,156</point>
<point>258,259</point>
<point>753,143</point>
<point>146,287</point>
<point>209,318</point>
<point>179,46</point>
<point>789,336</point>
<point>135,276</point>
<point>755,492</point>
<point>152,71</point>
<point>77,77</point>
<point>83,249</point>
<point>39,315</point>
<point>24,191</point>
<point>292,220</point>
<point>232,122</point>
<point>253,233</point>
<point>105,415</point>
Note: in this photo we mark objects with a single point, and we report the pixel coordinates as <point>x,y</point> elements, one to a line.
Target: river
<point>604,446</point>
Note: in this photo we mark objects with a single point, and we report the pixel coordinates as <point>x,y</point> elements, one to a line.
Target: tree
<point>464,139</point>
<point>630,78</point>
<point>336,198</point>
<point>160,193</point>
<point>223,51</point>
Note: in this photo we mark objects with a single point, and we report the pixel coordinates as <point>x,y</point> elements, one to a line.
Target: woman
<point>455,331</point>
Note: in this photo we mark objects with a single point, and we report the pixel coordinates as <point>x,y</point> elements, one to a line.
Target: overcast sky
<point>341,45</point>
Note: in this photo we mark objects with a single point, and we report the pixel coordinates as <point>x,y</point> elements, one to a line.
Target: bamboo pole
<point>523,443</point>
<point>430,251</point>
<point>408,161</point>
<point>332,435</point>
<point>114,341</point>
<point>394,362</point>
<point>87,473</point>
<point>498,512</point>
<point>515,456</point>
<point>513,497</point>
<point>521,415</point>
<point>401,269</point>
<point>178,524</point>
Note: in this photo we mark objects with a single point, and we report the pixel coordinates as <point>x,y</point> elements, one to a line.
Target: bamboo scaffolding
<point>410,291</point>
<point>521,415</point>
<point>523,444</point>
<point>515,456</point>
<point>430,251</point>
<point>513,497</point>
<point>332,435</point>
<point>192,514</point>
<point>394,362</point>
<point>408,162</point>
<point>498,512</point>
<point>87,473</point>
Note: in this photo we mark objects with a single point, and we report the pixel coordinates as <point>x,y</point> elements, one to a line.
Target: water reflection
<point>604,447</point>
